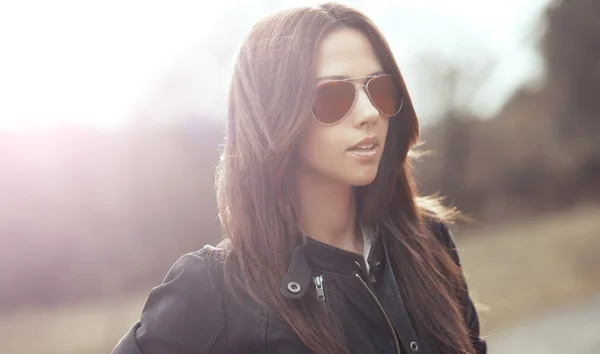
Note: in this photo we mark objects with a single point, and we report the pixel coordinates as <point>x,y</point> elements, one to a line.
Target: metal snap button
<point>377,264</point>
<point>294,287</point>
<point>414,346</point>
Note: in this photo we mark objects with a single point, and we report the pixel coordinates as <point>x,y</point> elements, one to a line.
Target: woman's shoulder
<point>437,217</point>
<point>203,265</point>
<point>185,313</point>
<point>196,273</point>
<point>439,229</point>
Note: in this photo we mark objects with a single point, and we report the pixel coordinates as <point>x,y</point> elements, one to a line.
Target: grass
<point>514,271</point>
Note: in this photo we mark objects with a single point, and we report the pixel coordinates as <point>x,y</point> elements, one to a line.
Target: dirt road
<point>575,330</point>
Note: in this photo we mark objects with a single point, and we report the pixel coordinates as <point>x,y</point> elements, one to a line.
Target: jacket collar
<point>317,256</point>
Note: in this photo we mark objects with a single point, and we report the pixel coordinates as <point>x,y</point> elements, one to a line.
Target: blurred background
<point>112,115</point>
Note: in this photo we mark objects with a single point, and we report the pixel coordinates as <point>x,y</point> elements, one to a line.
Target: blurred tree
<point>571,47</point>
<point>541,151</point>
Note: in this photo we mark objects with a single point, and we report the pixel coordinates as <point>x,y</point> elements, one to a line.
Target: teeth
<point>365,147</point>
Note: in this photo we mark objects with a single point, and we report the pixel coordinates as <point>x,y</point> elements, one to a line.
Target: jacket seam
<point>317,270</point>
<point>267,325</point>
<point>210,346</point>
<point>210,343</point>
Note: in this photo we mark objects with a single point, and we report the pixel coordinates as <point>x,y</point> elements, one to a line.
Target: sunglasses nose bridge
<point>365,87</point>
<point>370,110</point>
<point>356,90</point>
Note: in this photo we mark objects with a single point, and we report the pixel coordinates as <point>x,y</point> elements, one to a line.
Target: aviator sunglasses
<point>334,99</point>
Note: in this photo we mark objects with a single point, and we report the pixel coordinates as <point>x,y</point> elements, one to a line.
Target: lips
<point>365,150</point>
<point>366,144</point>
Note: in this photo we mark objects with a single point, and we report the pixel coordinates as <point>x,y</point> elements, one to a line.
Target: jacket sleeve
<point>183,315</point>
<point>470,313</point>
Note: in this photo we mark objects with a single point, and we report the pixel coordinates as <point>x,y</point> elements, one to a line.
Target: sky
<point>95,63</point>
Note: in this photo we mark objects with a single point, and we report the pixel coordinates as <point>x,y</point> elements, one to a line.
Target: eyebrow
<point>343,77</point>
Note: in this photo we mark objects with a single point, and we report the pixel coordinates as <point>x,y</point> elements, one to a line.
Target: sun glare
<point>89,63</point>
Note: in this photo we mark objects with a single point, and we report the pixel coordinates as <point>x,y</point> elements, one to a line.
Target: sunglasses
<point>334,99</point>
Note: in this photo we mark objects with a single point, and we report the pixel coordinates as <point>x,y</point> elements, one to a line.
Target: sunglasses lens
<point>385,94</point>
<point>333,100</point>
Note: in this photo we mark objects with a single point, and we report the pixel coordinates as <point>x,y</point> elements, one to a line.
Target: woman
<point>326,248</point>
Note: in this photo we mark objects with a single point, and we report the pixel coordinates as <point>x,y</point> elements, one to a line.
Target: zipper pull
<point>318,280</point>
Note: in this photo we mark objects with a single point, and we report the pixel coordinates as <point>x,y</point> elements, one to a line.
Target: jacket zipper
<point>318,280</point>
<point>381,309</point>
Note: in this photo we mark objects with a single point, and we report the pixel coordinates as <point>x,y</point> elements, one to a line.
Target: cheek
<point>320,146</point>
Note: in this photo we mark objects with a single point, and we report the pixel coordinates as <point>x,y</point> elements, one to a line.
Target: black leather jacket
<point>190,313</point>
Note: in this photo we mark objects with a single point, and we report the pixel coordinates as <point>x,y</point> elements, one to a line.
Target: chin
<point>363,180</point>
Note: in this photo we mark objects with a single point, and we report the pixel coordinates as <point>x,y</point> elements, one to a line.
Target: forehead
<point>347,52</point>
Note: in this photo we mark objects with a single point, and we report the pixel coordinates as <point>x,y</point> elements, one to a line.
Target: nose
<point>365,112</point>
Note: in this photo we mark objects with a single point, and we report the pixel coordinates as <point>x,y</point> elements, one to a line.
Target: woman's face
<point>330,151</point>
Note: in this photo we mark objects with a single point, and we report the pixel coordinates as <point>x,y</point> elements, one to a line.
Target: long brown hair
<point>270,96</point>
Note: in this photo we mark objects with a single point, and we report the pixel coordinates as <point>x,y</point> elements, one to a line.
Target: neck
<point>328,212</point>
